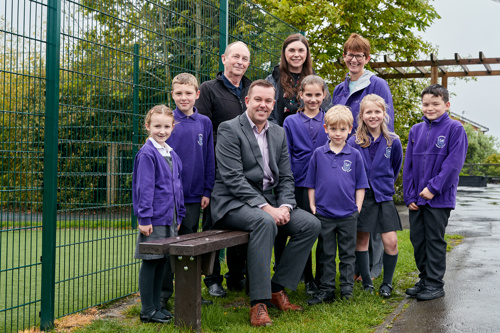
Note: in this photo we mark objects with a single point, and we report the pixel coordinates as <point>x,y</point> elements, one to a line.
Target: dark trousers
<point>427,228</point>
<point>341,233</point>
<point>236,258</point>
<point>280,242</point>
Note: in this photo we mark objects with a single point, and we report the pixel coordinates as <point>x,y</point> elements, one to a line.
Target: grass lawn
<point>93,265</point>
<point>362,314</point>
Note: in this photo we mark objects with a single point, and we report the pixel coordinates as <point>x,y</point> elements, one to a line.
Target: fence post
<point>50,165</point>
<point>135,119</point>
<point>223,30</point>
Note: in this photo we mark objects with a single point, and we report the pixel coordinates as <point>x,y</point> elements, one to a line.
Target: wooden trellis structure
<point>435,68</point>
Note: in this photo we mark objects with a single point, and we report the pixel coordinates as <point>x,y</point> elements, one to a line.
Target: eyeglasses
<point>358,57</point>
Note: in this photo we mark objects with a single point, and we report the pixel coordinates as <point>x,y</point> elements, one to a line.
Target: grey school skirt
<point>159,232</point>
<point>378,217</point>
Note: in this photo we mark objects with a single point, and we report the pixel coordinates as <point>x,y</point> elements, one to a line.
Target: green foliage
<point>480,145</point>
<point>481,149</point>
<point>390,26</point>
<point>22,124</point>
<point>493,170</point>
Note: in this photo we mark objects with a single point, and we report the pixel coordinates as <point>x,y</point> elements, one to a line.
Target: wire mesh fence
<point>76,79</point>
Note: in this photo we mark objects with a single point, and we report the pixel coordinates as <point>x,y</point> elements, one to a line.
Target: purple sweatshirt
<point>434,157</point>
<point>335,179</point>
<point>192,140</point>
<point>383,170</point>
<point>301,145</point>
<point>156,188</point>
<point>368,83</point>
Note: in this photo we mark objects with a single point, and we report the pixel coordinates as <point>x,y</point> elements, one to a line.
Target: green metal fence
<point>76,78</point>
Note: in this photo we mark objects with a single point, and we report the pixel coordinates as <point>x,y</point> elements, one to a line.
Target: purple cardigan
<point>435,155</point>
<point>155,188</point>
<point>368,83</point>
<point>383,171</point>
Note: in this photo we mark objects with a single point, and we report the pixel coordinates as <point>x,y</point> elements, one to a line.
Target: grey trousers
<point>427,228</point>
<point>341,232</point>
<point>191,221</point>
<point>303,230</point>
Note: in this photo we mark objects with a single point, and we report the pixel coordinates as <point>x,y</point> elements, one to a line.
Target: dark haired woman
<point>294,66</point>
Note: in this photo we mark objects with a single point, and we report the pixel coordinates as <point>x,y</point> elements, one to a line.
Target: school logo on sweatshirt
<point>200,139</point>
<point>441,141</point>
<point>388,152</point>
<point>347,166</point>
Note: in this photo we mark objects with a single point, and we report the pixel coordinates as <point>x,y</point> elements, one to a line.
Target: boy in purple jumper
<point>192,139</point>
<point>434,157</point>
<point>336,180</point>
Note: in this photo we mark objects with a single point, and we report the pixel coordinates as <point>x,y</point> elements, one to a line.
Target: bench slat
<point>210,243</point>
<point>162,246</point>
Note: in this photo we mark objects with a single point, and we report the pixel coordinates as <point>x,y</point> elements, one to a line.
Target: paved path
<point>472,301</point>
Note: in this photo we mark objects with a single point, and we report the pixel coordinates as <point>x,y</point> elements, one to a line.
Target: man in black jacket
<point>224,99</point>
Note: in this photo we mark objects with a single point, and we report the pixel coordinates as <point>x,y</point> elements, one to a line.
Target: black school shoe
<point>312,288</point>
<point>321,297</point>
<point>206,301</point>
<point>369,289</point>
<point>414,291</point>
<point>347,295</point>
<point>166,313</point>
<point>385,290</point>
<point>155,316</point>
<point>430,293</point>
<point>216,290</point>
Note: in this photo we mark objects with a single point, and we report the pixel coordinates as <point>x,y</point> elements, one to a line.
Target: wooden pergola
<point>435,68</point>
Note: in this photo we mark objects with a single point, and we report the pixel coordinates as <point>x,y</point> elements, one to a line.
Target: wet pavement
<point>472,280</point>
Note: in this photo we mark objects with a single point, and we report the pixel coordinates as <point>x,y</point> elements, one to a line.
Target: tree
<point>389,25</point>
<point>480,145</point>
<point>495,169</point>
<point>482,149</point>
<point>22,122</point>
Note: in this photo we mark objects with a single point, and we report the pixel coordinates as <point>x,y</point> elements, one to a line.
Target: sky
<point>467,27</point>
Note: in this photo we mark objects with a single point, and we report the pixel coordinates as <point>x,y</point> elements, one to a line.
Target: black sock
<point>158,283</point>
<point>276,287</point>
<point>257,301</point>
<point>389,267</point>
<point>362,260</point>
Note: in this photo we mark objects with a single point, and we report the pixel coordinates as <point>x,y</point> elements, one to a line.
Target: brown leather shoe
<point>281,301</point>
<point>259,315</point>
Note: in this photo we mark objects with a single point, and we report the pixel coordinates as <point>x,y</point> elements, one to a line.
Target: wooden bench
<point>191,256</point>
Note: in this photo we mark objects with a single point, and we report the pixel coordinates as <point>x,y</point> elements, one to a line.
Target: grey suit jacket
<point>240,171</point>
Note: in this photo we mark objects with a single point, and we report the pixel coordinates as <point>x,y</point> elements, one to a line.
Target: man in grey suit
<point>254,191</point>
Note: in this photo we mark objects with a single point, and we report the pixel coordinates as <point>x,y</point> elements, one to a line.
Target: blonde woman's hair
<point>362,133</point>
<point>339,114</point>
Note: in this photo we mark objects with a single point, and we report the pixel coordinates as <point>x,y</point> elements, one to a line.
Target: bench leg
<point>188,292</point>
